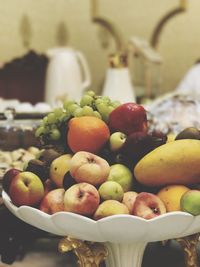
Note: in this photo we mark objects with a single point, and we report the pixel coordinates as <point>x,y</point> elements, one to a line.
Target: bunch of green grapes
<point>51,127</point>
<point>98,106</point>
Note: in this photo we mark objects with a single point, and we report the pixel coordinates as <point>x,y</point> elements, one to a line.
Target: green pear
<point>122,175</point>
<point>109,208</point>
<point>111,190</point>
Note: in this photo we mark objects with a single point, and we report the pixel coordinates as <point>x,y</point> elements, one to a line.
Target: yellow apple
<point>58,168</point>
<point>26,188</point>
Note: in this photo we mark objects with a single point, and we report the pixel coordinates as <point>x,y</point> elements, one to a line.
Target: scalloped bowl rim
<point>127,228</point>
<point>6,198</point>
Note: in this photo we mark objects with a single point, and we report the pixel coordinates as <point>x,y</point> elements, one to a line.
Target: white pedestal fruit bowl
<point>125,236</point>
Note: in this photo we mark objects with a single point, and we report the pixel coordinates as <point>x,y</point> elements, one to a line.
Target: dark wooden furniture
<point>23,78</point>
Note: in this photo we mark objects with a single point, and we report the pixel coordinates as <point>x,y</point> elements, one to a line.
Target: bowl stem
<point>125,255</point>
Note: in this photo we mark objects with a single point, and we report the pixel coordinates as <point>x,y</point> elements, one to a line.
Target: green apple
<point>117,140</point>
<point>190,202</point>
<point>111,190</point>
<point>122,175</point>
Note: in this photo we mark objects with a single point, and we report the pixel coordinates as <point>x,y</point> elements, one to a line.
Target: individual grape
<point>58,112</point>
<point>40,131</point>
<point>67,103</point>
<point>45,120</point>
<point>103,109</point>
<point>106,99</point>
<point>90,93</point>
<point>87,111</point>
<point>97,114</point>
<point>98,101</point>
<point>47,129</point>
<point>71,108</point>
<point>115,104</point>
<point>55,134</point>
<point>64,117</point>
<point>78,112</point>
<point>86,100</point>
<point>51,118</point>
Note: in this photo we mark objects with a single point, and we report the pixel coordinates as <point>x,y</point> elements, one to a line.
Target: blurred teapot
<point>67,75</point>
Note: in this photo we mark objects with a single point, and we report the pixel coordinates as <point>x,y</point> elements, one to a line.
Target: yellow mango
<point>175,162</point>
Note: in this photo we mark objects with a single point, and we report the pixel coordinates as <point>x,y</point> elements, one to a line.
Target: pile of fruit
<point>100,158</point>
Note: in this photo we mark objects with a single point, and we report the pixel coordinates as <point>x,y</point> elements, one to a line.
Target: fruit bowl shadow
<point>125,236</point>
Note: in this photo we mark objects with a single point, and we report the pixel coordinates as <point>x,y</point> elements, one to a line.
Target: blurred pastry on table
<point>174,112</point>
<point>179,109</point>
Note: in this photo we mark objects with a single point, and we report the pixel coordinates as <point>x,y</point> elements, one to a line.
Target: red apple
<point>128,118</point>
<point>148,206</point>
<point>88,167</point>
<point>8,177</point>
<point>53,201</point>
<point>82,198</point>
<point>26,188</point>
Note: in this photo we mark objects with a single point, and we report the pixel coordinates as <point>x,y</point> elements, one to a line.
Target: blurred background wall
<point>41,24</point>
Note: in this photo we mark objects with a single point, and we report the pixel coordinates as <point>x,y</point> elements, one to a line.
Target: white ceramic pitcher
<point>67,75</point>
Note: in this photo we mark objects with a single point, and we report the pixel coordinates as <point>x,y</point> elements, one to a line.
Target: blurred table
<point>44,253</point>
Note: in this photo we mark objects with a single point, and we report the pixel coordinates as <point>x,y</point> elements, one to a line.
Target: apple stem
<point>91,160</point>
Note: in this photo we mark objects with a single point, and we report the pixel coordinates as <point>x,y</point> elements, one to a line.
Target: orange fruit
<point>171,196</point>
<point>87,133</point>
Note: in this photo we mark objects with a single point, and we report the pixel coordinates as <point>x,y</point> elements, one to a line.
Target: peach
<point>129,200</point>
<point>148,206</point>
<point>26,188</point>
<point>53,201</point>
<point>89,168</point>
<point>87,133</point>
<point>82,198</point>
<point>109,208</point>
